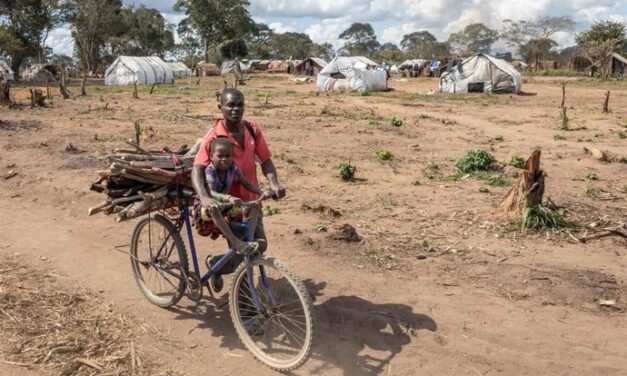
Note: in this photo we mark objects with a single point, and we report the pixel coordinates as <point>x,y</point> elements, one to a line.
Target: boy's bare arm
<point>199,184</point>
<point>250,186</point>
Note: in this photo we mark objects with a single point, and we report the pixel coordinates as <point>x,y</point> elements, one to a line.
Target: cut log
<point>5,88</point>
<point>527,191</point>
<point>37,98</point>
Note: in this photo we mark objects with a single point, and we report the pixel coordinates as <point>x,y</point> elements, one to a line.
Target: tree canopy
<point>145,33</point>
<point>601,41</point>
<point>474,38</point>
<point>360,39</point>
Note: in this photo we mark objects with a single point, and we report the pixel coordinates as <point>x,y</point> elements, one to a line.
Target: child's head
<point>221,153</point>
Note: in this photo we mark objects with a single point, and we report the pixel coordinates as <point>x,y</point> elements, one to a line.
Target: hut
<point>481,73</point>
<point>281,66</point>
<point>231,66</point>
<point>618,65</point>
<point>204,69</point>
<point>179,69</point>
<point>5,71</point>
<point>519,65</point>
<point>310,66</point>
<point>40,73</point>
<point>356,72</point>
<point>548,64</point>
<point>143,70</point>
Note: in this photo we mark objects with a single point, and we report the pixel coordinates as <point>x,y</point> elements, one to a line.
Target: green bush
<point>383,155</point>
<point>517,161</point>
<point>346,170</point>
<point>484,190</point>
<point>498,180</point>
<point>268,211</point>
<point>475,160</point>
<point>395,122</point>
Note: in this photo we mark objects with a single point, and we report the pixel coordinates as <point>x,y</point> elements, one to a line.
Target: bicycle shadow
<point>347,326</point>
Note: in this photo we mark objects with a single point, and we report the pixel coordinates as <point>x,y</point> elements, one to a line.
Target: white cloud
<point>61,41</point>
<point>279,27</point>
<point>328,30</point>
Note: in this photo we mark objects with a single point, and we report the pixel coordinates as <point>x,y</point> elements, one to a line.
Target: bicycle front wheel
<point>278,330</point>
<point>159,260</point>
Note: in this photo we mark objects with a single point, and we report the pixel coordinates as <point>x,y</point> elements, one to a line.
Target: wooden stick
<point>140,149</point>
<point>606,104</point>
<point>98,208</point>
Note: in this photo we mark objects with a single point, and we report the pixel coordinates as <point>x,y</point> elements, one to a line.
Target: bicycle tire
<point>162,300</point>
<point>237,300</point>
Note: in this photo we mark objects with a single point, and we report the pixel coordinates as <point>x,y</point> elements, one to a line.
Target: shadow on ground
<point>346,326</point>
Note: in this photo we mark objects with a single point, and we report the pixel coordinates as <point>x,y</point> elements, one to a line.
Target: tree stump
<point>527,191</point>
<point>62,88</point>
<point>37,98</point>
<point>5,88</point>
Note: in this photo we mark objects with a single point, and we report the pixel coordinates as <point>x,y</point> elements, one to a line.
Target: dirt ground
<point>437,285</point>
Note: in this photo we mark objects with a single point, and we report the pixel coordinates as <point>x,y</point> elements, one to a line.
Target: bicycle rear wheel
<point>159,260</point>
<point>280,332</point>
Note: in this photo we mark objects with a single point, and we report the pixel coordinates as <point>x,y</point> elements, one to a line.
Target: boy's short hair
<point>221,142</point>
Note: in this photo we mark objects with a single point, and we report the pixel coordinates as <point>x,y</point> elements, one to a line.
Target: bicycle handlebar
<point>251,203</point>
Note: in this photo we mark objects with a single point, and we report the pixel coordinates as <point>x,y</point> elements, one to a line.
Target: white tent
<point>410,64</point>
<point>352,72</point>
<point>229,66</point>
<point>5,71</point>
<point>179,69</point>
<point>145,70</point>
<point>481,73</point>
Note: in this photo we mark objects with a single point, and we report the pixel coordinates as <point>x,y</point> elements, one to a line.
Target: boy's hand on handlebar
<point>235,201</point>
<point>279,192</point>
<point>209,203</point>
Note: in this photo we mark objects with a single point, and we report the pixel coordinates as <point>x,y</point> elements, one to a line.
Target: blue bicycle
<point>269,305</point>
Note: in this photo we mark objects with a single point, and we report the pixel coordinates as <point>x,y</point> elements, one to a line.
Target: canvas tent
<point>145,70</point>
<point>481,73</point>
<point>413,64</point>
<point>40,73</point>
<point>230,66</point>
<point>5,71</point>
<point>618,65</point>
<point>310,66</point>
<point>204,69</point>
<point>282,66</point>
<point>352,72</point>
<point>179,69</point>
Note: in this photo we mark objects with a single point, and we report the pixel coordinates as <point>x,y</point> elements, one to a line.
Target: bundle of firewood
<point>137,181</point>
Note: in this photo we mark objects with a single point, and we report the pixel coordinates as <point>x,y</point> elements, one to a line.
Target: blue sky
<point>324,20</point>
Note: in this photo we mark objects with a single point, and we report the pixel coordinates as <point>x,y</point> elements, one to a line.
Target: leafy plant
<point>426,245</point>
<point>475,160</point>
<point>346,170</point>
<point>559,137</point>
<point>593,193</point>
<point>431,171</point>
<point>383,155</point>
<point>269,211</point>
<point>416,183</point>
<point>395,122</point>
<point>592,176</point>
<point>622,135</point>
<point>541,217</point>
<point>517,161</point>
<point>498,137</point>
<point>484,190</point>
<point>498,180</point>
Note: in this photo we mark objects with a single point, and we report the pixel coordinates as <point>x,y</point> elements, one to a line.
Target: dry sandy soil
<point>438,285</point>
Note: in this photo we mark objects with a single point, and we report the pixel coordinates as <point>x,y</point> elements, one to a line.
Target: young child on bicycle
<point>220,175</point>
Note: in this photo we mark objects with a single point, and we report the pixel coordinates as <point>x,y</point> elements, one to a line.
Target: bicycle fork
<point>264,284</point>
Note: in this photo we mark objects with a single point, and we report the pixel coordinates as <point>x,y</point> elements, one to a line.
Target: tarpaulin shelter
<point>618,65</point>
<point>144,70</point>
<point>231,67</point>
<point>311,66</point>
<point>40,73</point>
<point>481,73</point>
<point>207,69</point>
<point>413,64</point>
<point>5,71</point>
<point>282,66</point>
<point>355,72</point>
<point>179,69</point>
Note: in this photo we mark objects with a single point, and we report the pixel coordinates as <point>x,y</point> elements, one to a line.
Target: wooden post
<point>83,83</point>
<point>135,90</point>
<point>527,191</point>
<point>5,88</point>
<point>152,88</point>
<point>37,98</point>
<point>138,131</point>
<point>563,94</point>
<point>606,104</point>
<point>62,87</point>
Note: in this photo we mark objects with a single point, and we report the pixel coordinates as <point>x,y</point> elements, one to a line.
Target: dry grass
<point>47,326</point>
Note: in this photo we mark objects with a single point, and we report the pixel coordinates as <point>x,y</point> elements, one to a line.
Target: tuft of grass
<point>484,190</point>
<point>592,176</point>
<point>497,137</point>
<point>541,217</point>
<point>365,93</point>
<point>346,170</point>
<point>383,155</point>
<point>320,227</point>
<point>622,135</point>
<point>475,160</point>
<point>426,245</point>
<point>416,183</point>
<point>396,122</point>
<point>517,161</point>
<point>431,171</point>
<point>269,211</point>
<point>559,137</point>
<point>593,193</point>
<point>498,180</point>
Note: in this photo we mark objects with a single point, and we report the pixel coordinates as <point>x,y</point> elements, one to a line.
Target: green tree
<point>423,45</point>
<point>532,37</point>
<point>215,21</point>
<point>26,25</point>
<point>600,42</point>
<point>143,32</point>
<point>94,23</point>
<point>324,51</point>
<point>360,39</point>
<point>389,52</point>
<point>290,44</point>
<point>258,41</point>
<point>235,48</point>
<point>474,38</point>
<point>416,39</point>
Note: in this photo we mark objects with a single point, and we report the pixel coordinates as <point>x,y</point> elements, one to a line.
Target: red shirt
<point>244,158</point>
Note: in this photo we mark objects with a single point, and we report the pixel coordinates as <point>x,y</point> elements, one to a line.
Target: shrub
<point>320,227</point>
<point>498,180</point>
<point>383,155</point>
<point>395,122</point>
<point>592,176</point>
<point>475,160</point>
<point>484,190</point>
<point>517,161</point>
<point>541,217</point>
<point>268,211</point>
<point>346,170</point>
